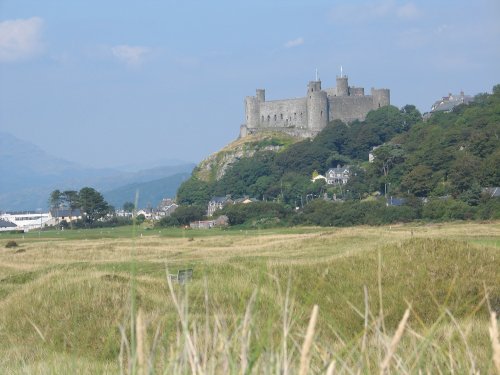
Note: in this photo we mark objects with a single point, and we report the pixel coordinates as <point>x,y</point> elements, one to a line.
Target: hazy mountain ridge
<point>29,174</point>
<point>150,193</point>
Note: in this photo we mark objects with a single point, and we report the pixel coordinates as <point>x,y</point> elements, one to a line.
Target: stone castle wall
<point>284,113</point>
<point>307,116</point>
<point>349,108</point>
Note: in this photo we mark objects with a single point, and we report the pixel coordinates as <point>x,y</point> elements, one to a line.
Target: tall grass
<point>222,344</point>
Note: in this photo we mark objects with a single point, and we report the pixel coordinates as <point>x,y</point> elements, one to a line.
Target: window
<point>268,118</point>
<point>274,117</point>
<point>282,116</point>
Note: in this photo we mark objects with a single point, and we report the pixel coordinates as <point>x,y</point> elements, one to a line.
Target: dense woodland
<point>447,159</point>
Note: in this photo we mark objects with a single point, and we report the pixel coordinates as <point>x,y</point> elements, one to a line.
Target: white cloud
<point>294,43</point>
<point>130,55</point>
<point>20,39</point>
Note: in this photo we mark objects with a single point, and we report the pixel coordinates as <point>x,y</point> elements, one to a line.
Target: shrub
<point>140,219</point>
<point>11,244</point>
<point>447,209</point>
<point>168,221</point>
<point>240,213</point>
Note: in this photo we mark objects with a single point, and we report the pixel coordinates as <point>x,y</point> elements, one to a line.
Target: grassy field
<point>97,301</point>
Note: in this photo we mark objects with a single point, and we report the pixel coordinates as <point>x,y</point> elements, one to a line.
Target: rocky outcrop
<point>215,166</point>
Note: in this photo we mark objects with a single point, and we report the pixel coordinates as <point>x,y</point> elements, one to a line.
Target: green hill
<point>451,155</point>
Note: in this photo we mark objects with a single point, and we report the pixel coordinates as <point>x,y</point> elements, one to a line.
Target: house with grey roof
<point>218,203</point>
<point>59,215</point>
<point>338,176</point>
<point>7,226</point>
<point>447,103</point>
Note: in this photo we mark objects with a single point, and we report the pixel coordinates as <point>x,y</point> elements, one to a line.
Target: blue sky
<point>107,83</point>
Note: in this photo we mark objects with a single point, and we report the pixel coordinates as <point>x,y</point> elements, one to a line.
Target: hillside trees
<point>194,191</point>
<point>419,181</point>
<point>461,148</point>
<point>249,176</point>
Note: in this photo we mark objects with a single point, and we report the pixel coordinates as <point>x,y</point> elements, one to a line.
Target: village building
<point>7,226</point>
<point>447,103</point>
<point>221,222</point>
<point>218,203</point>
<point>166,208</point>
<point>146,212</point>
<point>58,215</point>
<point>338,176</point>
<point>27,220</point>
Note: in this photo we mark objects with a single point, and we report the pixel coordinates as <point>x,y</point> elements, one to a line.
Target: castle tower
<point>261,95</point>
<point>381,98</point>
<point>342,86</point>
<point>317,106</point>
<point>252,112</point>
<point>313,86</point>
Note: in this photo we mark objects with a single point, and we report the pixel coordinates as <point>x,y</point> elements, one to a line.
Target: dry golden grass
<point>62,301</point>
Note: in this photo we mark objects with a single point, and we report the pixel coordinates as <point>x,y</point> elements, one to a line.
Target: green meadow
<point>390,299</point>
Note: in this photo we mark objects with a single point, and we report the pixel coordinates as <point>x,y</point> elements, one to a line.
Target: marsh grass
<point>67,304</point>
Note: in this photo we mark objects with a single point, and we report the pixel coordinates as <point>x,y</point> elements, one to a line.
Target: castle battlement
<point>308,115</point>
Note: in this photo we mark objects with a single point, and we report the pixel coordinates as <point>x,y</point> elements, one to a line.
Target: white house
<point>217,203</point>
<point>27,220</point>
<point>338,176</point>
<point>7,226</point>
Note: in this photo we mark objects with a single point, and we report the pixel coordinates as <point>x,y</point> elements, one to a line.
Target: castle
<point>306,117</point>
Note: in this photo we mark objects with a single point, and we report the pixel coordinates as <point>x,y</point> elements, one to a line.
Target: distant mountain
<point>150,193</point>
<point>28,174</point>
